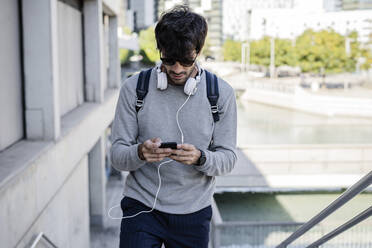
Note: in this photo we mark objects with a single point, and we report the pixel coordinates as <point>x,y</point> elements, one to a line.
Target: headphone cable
<point>158,190</point>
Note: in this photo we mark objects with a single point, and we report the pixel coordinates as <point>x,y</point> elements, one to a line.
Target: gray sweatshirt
<point>185,188</point>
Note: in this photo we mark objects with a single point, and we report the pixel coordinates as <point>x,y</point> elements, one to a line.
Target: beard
<point>186,75</point>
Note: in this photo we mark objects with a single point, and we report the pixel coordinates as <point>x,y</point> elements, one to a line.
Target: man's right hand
<point>150,151</point>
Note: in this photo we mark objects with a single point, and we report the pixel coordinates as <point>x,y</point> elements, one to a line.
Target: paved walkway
<point>109,237</point>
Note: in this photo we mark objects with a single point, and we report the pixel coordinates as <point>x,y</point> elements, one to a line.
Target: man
<point>182,213</point>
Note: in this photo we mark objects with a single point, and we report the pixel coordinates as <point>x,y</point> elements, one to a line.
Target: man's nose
<point>177,67</point>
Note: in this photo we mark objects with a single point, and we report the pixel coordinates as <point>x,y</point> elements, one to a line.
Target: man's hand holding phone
<point>151,152</point>
<point>186,154</point>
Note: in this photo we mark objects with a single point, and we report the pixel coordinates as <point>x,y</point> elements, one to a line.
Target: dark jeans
<point>155,228</point>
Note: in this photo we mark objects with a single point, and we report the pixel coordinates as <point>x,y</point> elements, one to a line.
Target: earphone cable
<point>146,211</point>
<point>158,190</point>
<point>178,123</point>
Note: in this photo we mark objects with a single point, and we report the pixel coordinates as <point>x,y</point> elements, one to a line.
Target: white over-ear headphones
<point>190,85</point>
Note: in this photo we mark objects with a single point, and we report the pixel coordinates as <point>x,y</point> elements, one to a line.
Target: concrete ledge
<point>272,168</point>
<point>306,146</point>
<point>300,100</point>
<point>327,153</point>
<point>287,183</point>
<point>307,181</point>
<point>66,224</point>
<point>16,158</point>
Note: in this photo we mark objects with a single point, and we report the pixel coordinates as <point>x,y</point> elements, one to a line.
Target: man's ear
<point>162,68</point>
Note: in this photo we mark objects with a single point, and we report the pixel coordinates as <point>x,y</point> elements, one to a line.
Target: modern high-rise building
<point>237,14</point>
<point>212,11</point>
<point>244,20</point>
<point>123,13</point>
<point>168,4</point>
<point>277,22</point>
<point>332,5</point>
<point>141,14</point>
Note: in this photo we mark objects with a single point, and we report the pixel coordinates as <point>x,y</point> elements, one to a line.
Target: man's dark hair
<point>180,31</point>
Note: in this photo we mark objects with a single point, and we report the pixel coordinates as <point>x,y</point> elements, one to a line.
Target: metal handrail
<point>257,223</point>
<point>357,219</point>
<point>340,201</point>
<point>216,220</point>
<point>39,237</point>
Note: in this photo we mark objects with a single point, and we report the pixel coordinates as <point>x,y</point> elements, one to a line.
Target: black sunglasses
<point>184,62</point>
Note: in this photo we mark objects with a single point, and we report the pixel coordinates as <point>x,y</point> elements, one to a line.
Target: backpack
<point>212,91</point>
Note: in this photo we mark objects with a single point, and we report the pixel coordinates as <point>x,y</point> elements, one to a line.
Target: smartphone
<point>172,145</point>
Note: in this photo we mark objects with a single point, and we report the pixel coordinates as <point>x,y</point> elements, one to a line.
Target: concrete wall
<point>70,51</point>
<point>46,178</point>
<point>105,44</point>
<point>11,123</point>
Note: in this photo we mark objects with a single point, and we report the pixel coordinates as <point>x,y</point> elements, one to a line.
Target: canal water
<point>263,124</point>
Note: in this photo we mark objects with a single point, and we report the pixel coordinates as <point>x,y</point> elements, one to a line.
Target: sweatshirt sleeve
<point>221,157</point>
<point>124,132</point>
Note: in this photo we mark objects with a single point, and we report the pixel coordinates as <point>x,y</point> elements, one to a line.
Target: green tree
<point>147,44</point>
<point>285,53</point>
<point>311,51</point>
<point>260,51</point>
<point>367,53</point>
<point>127,30</point>
<point>125,54</point>
<point>308,52</point>
<point>359,51</point>
<point>326,49</point>
<point>232,50</point>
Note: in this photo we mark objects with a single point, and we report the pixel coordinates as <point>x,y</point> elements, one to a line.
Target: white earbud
<point>190,85</point>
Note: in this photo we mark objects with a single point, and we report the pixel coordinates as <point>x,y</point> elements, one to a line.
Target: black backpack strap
<point>213,93</point>
<point>142,87</point>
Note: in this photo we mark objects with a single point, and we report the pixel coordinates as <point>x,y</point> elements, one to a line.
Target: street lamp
<point>245,58</point>
<point>347,45</point>
<point>272,57</point>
